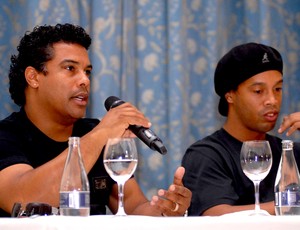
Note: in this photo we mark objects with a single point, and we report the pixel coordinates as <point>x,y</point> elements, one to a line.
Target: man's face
<point>256,102</point>
<point>64,91</point>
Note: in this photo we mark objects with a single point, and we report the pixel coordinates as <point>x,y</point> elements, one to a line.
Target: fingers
<point>176,193</point>
<point>290,123</point>
<point>167,207</point>
<point>171,203</point>
<point>179,175</point>
<point>131,115</point>
<point>176,200</point>
<point>117,120</point>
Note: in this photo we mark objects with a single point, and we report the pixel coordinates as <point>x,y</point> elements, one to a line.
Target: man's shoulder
<point>218,143</point>
<point>12,122</point>
<point>216,139</point>
<point>220,147</point>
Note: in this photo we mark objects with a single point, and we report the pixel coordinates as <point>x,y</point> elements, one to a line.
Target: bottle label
<point>287,198</point>
<point>75,199</point>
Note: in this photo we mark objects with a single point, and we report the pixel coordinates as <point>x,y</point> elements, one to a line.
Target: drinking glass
<point>256,162</point>
<point>120,161</point>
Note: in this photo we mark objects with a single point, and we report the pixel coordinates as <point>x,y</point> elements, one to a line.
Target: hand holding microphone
<point>144,134</point>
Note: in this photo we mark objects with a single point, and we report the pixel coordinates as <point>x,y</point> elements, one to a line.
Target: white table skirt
<point>230,222</point>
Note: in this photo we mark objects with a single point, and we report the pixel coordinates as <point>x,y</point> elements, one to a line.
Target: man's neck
<point>241,133</point>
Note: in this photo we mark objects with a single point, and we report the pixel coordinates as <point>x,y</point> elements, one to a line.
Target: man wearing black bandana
<point>50,80</point>
<point>248,80</point>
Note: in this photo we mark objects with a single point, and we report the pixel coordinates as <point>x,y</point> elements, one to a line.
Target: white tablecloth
<point>230,222</point>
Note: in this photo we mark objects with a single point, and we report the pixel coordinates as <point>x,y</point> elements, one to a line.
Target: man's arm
<point>22,183</point>
<point>225,209</point>
<point>163,204</point>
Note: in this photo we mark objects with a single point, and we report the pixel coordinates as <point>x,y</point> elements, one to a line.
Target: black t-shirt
<point>22,142</point>
<point>214,175</point>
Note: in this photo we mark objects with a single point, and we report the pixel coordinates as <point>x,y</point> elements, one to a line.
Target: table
<point>110,222</point>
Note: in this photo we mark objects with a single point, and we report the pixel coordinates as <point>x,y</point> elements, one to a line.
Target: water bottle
<point>74,188</point>
<point>287,183</point>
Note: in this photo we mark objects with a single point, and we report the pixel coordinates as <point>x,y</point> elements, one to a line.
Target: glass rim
<point>257,141</point>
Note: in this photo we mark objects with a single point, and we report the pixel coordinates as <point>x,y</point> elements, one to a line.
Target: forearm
<point>225,209</point>
<point>146,209</point>
<point>135,203</point>
<point>269,207</point>
<point>22,183</point>
<point>91,146</point>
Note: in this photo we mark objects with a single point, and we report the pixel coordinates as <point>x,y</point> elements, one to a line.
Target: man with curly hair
<point>50,81</point>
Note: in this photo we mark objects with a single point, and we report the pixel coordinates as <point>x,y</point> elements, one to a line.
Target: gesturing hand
<point>176,200</point>
<point>291,123</point>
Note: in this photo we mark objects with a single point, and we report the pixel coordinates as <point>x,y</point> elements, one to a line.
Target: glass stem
<point>256,189</point>
<point>121,210</point>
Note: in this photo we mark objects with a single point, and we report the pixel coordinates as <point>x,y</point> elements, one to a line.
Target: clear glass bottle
<point>287,183</point>
<point>74,188</point>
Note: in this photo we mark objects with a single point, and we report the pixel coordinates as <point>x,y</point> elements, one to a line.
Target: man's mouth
<point>81,98</point>
<point>271,116</point>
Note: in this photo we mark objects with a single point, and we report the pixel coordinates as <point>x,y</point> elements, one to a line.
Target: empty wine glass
<point>120,161</point>
<point>256,162</point>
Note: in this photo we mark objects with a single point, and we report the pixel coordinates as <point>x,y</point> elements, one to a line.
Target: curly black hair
<point>36,48</point>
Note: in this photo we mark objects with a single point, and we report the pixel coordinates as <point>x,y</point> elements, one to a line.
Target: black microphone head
<point>110,101</point>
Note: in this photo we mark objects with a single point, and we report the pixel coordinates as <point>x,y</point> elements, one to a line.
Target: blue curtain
<point>160,55</point>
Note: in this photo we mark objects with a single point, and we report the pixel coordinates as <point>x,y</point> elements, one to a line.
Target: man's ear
<point>228,97</point>
<point>31,76</point>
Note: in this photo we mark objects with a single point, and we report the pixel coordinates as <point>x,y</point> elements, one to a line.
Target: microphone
<point>144,134</point>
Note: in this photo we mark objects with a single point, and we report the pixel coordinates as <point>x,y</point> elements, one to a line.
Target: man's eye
<point>88,72</point>
<point>71,68</point>
<point>257,91</point>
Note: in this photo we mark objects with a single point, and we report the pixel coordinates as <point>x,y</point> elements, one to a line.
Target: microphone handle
<point>149,138</point>
<point>146,135</point>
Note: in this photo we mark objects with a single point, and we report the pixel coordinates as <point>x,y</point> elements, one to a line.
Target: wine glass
<point>120,161</point>
<point>256,162</point>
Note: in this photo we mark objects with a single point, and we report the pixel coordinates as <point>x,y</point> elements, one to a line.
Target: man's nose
<point>84,80</point>
<point>271,99</point>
